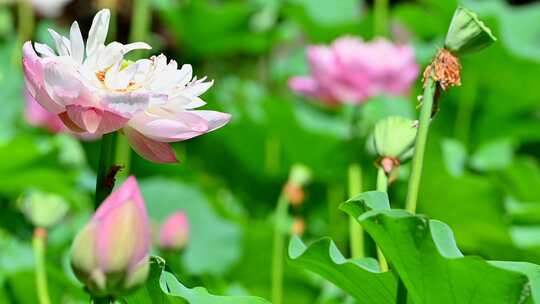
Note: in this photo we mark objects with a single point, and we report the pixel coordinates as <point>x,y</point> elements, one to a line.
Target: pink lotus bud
<point>110,254</point>
<point>174,233</point>
<point>351,71</point>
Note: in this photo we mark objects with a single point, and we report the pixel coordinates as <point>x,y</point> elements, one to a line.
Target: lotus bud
<point>394,137</point>
<point>393,141</point>
<point>110,254</point>
<point>300,175</point>
<point>467,33</point>
<point>174,233</point>
<point>43,209</point>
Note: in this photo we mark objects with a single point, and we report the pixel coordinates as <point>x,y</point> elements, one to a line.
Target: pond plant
<point>115,95</point>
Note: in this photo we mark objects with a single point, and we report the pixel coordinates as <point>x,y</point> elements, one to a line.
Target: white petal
<point>136,46</point>
<point>44,50</point>
<point>120,79</point>
<point>167,80</point>
<point>128,104</point>
<point>187,70</point>
<point>61,47</point>
<point>77,43</point>
<point>98,31</point>
<point>61,81</point>
<point>197,88</point>
<point>110,55</point>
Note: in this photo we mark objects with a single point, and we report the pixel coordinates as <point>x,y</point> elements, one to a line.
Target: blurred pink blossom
<point>351,71</point>
<point>38,117</point>
<point>174,233</point>
<point>92,89</point>
<point>110,254</point>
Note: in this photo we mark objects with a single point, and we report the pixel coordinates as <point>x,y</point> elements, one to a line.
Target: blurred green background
<point>481,175</point>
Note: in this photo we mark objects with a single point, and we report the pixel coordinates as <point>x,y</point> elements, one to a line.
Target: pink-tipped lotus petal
<point>33,75</point>
<point>164,126</point>
<point>95,120</point>
<point>174,232</point>
<point>123,234</point>
<point>214,120</point>
<point>149,149</point>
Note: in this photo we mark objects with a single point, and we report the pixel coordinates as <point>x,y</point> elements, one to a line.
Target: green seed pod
<point>467,33</point>
<point>394,137</point>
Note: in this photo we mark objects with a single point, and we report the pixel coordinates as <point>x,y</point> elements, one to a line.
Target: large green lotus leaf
<point>425,255</point>
<point>361,278</point>
<point>163,287</point>
<point>215,242</point>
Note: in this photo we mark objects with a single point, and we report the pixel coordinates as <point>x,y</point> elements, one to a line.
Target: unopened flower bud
<point>300,175</point>
<point>394,138</point>
<point>43,209</point>
<point>174,233</point>
<point>467,33</point>
<point>110,254</point>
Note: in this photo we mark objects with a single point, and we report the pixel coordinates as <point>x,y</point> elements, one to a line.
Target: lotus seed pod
<point>467,33</point>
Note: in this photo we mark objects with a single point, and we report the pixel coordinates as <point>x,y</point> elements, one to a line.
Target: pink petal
<point>149,149</point>
<point>94,120</point>
<point>164,126</point>
<point>214,119</point>
<point>124,207</point>
<point>33,75</point>
<point>304,85</point>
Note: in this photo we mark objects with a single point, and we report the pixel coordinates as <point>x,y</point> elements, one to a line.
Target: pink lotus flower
<point>93,89</point>
<point>174,233</point>
<point>352,71</point>
<point>110,254</point>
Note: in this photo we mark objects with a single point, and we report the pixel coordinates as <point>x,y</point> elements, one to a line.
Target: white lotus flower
<point>93,89</point>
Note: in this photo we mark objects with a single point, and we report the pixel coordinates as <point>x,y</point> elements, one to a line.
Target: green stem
<point>39,243</point>
<point>272,154</point>
<point>420,146</point>
<point>356,231</point>
<point>123,156</point>
<point>335,198</point>
<point>140,23</point>
<point>380,18</point>
<point>382,185</point>
<point>25,19</point>
<point>279,249</point>
<point>104,185</point>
